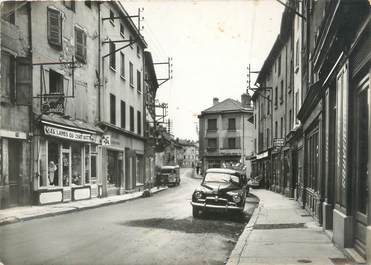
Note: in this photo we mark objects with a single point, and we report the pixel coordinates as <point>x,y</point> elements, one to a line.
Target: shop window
<point>53,163</point>
<point>55,28</point>
<point>87,164</point>
<point>113,177</point>
<point>76,166</point>
<point>312,160</point>
<point>55,82</point>
<point>80,44</point>
<point>211,125</point>
<point>43,175</point>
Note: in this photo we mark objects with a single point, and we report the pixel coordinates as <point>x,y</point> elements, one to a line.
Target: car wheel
<point>195,212</point>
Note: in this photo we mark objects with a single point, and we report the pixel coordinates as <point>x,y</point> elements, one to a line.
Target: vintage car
<point>168,175</point>
<point>220,190</point>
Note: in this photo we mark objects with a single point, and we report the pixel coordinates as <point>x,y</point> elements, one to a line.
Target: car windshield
<point>167,170</point>
<point>221,177</point>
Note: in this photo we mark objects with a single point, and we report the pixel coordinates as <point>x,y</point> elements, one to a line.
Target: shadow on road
<point>210,223</point>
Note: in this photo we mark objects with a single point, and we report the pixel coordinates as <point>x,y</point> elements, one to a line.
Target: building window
<point>138,51</point>
<point>296,103</point>
<point>281,97</point>
<point>87,3</point>
<point>112,109</point>
<point>232,124</point>
<point>70,5</point>
<point>131,119</point>
<point>290,118</point>
<point>211,125</point>
<point>9,15</point>
<point>279,65</point>
<point>7,76</point>
<point>131,42</point>
<point>123,114</point>
<point>80,45</point>
<point>212,143</point>
<point>139,122</point>
<point>131,74</point>
<point>297,54</point>
<point>267,137</point>
<point>54,28</point>
<point>139,81</point>
<point>122,65</point>
<point>231,143</point>
<point>281,127</point>
<point>255,121</point>
<point>112,17</point>
<point>276,96</point>
<point>112,56</point>
<point>55,82</point>
<point>268,105</point>
<point>122,30</point>
<point>275,129</point>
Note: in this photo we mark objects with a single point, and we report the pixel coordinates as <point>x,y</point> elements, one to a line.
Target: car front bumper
<point>211,206</point>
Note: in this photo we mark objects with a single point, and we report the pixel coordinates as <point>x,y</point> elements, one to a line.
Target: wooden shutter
<point>23,81</point>
<point>54,28</point>
<point>80,45</point>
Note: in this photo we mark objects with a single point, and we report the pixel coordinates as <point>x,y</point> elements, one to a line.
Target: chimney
<point>245,100</point>
<point>215,101</point>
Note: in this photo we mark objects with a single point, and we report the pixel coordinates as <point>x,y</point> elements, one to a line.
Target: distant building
<point>225,133</point>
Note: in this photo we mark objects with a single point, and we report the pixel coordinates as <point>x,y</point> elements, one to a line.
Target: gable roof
<point>227,105</point>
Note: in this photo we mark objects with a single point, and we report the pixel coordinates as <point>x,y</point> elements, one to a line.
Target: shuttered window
<point>139,122</point>
<point>139,81</point>
<point>55,28</point>
<point>112,57</point>
<point>131,119</point>
<point>80,45</point>
<point>23,81</point>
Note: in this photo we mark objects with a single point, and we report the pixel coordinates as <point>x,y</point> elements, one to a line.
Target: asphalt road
<point>154,230</point>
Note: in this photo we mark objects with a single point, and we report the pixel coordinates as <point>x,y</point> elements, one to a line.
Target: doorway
<point>361,112</point>
<point>15,161</point>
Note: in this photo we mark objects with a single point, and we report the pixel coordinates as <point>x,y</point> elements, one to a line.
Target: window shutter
<point>80,45</point>
<point>54,27</point>
<point>23,81</point>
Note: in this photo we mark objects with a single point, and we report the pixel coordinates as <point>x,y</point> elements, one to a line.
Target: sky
<point>211,43</point>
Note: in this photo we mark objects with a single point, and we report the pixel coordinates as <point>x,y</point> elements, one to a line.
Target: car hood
<point>220,188</point>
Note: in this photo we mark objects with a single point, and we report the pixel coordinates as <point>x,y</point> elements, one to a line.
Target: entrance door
<point>360,165</point>
<point>15,159</point>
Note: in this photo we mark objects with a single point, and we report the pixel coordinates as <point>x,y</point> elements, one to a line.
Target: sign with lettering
<point>54,105</point>
<point>106,139</point>
<point>278,142</point>
<point>262,155</point>
<point>67,134</point>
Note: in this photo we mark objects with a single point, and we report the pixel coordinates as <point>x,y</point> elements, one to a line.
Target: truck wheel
<point>195,212</point>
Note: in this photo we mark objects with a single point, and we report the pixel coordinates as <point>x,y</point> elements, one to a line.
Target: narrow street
<point>155,230</point>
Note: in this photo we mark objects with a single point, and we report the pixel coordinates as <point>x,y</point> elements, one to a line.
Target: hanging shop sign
<point>278,142</point>
<point>106,139</point>
<point>262,155</point>
<point>53,105</point>
<point>70,135</point>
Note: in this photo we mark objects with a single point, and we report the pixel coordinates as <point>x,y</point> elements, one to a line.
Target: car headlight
<point>198,195</point>
<point>237,198</point>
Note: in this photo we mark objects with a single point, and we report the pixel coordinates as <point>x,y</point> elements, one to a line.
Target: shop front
<point>263,169</point>
<point>67,161</point>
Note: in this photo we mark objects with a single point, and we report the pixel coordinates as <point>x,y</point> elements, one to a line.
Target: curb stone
<point>12,219</point>
<point>234,257</point>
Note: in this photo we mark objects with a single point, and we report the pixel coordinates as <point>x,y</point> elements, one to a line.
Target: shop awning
<point>57,120</point>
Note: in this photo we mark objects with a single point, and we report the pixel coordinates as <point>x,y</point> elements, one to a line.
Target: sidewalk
<point>18,214</point>
<point>280,232</point>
